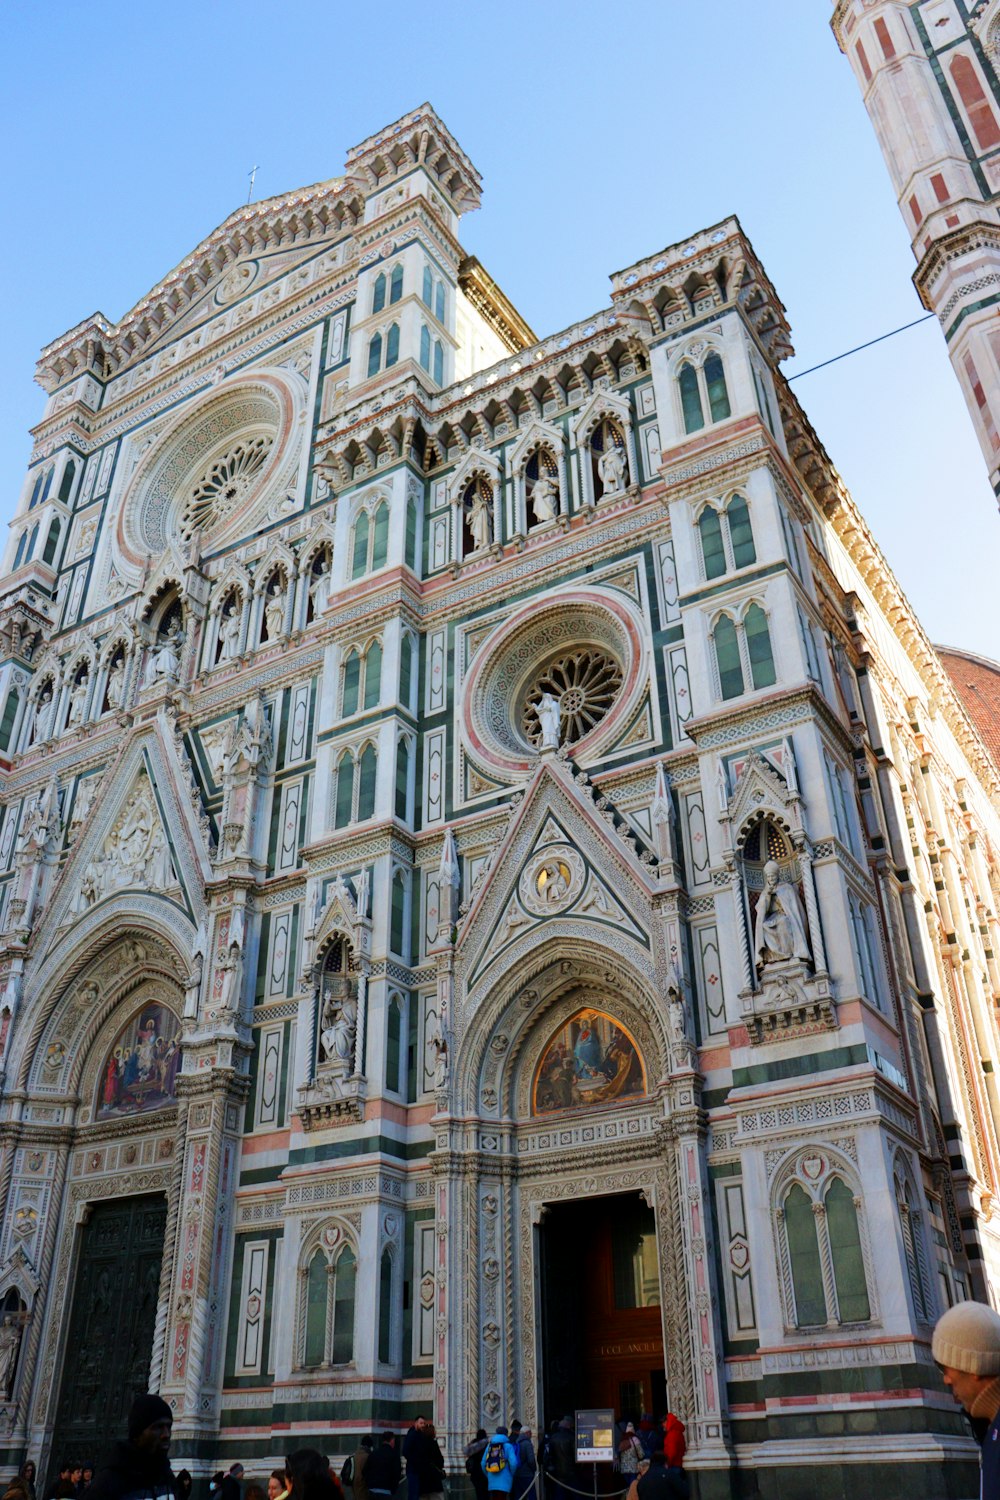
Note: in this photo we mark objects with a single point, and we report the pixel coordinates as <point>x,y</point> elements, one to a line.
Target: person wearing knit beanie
<point>139,1469</point>
<point>966,1349</point>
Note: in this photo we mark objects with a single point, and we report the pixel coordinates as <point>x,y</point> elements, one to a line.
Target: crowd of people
<point>504,1464</point>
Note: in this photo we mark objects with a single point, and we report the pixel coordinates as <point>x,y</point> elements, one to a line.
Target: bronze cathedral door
<point>111,1324</point>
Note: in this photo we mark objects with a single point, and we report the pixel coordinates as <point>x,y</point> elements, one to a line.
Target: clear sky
<point>603,132</point>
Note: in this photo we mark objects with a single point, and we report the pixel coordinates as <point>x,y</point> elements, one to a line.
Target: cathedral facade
<point>498,894</point>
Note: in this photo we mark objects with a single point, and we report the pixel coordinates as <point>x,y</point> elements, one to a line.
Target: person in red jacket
<point>674,1442</point>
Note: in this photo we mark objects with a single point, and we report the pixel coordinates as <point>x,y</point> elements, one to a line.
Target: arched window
<point>394,1047</point>
<point>758,640</point>
<point>740,533</point>
<point>22,542</point>
<point>392,345</point>
<point>412,521</point>
<point>439,301</point>
<point>66,482</point>
<point>51,541</point>
<point>427,288</point>
<point>425,347</point>
<point>713,550</point>
<point>345,1278</point>
<point>380,537</point>
<point>9,715</point>
<point>36,491</point>
<point>845,1249</point>
<point>352,684</point>
<point>317,1277</point>
<point>726,538</point>
<point>48,484</point>
<point>438,362</point>
<point>715,385</point>
<point>345,791</point>
<point>727,656</point>
<point>378,293</point>
<point>328,1321</point>
<point>396,284</point>
<point>375,354</point>
<point>407,669</point>
<point>694,416</point>
<point>402,780</point>
<point>33,538</point>
<point>398,938</point>
<point>359,557</point>
<point>367,769</point>
<point>373,675</point>
<point>803,1255</point>
<point>385,1307</point>
<point>914,1253</point>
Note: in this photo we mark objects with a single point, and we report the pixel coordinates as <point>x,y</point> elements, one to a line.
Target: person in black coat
<point>139,1469</point>
<point>384,1469</point>
<point>661,1483</point>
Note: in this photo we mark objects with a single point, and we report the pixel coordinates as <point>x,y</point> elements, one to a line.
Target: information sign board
<point>595,1437</point>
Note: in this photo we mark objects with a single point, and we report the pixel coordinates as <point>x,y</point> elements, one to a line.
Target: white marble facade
<point>372,714</point>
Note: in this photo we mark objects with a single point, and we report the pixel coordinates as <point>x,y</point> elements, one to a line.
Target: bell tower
<point>929,79</point>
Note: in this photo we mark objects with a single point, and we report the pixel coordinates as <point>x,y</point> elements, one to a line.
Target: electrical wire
<point>858,349</point>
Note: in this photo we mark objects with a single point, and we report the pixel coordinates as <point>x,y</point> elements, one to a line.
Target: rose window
<point>225,484</point>
<point>584,683</point>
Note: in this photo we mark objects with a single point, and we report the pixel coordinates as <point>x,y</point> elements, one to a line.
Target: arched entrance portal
<point>583,1289</point>
<point>98,1206</point>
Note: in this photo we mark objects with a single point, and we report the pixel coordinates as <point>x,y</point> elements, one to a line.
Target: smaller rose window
<point>585,684</point>
<point>225,484</point>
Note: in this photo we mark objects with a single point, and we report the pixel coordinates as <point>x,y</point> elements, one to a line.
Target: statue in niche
<point>10,1343</point>
<point>274,612</point>
<point>229,632</point>
<point>779,926</point>
<point>543,499</point>
<point>43,716</point>
<point>165,662</point>
<point>78,699</point>
<point>116,683</point>
<point>612,469</point>
<point>549,713</point>
<point>479,522</point>
<point>339,1021</point>
<point>319,588</point>
<point>437,1056</point>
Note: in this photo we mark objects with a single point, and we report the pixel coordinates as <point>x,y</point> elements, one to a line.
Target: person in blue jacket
<point>499,1462</point>
<point>966,1349</point>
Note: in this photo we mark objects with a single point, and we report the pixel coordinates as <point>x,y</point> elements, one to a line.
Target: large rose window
<point>225,484</point>
<point>584,683</point>
<point>582,647</point>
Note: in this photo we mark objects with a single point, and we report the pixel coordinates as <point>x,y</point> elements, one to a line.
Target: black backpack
<point>347,1472</point>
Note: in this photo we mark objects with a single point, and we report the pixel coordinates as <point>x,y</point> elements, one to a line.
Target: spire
<point>662,816</point>
<point>449,882</point>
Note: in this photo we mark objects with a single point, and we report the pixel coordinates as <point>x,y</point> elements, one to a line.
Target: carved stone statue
<point>363,888</point>
<point>549,713</point>
<point>165,662</point>
<point>10,1343</point>
<point>43,717</point>
<point>78,700</point>
<point>543,499</point>
<point>480,523</point>
<point>274,614</point>
<point>340,1026</point>
<point>662,818</point>
<point>612,469</point>
<point>319,588</point>
<point>229,633</point>
<point>437,1057</point>
<point>116,683</point>
<point>232,981</point>
<point>779,927</point>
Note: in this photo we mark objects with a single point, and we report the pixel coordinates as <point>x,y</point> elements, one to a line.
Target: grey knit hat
<point>967,1337</point>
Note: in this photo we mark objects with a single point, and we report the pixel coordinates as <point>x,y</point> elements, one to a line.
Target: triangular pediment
<point>760,787</point>
<point>536,434</point>
<point>140,837</point>
<point>563,862</point>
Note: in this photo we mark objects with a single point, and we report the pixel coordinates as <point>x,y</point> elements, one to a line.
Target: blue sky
<point>602,132</point>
